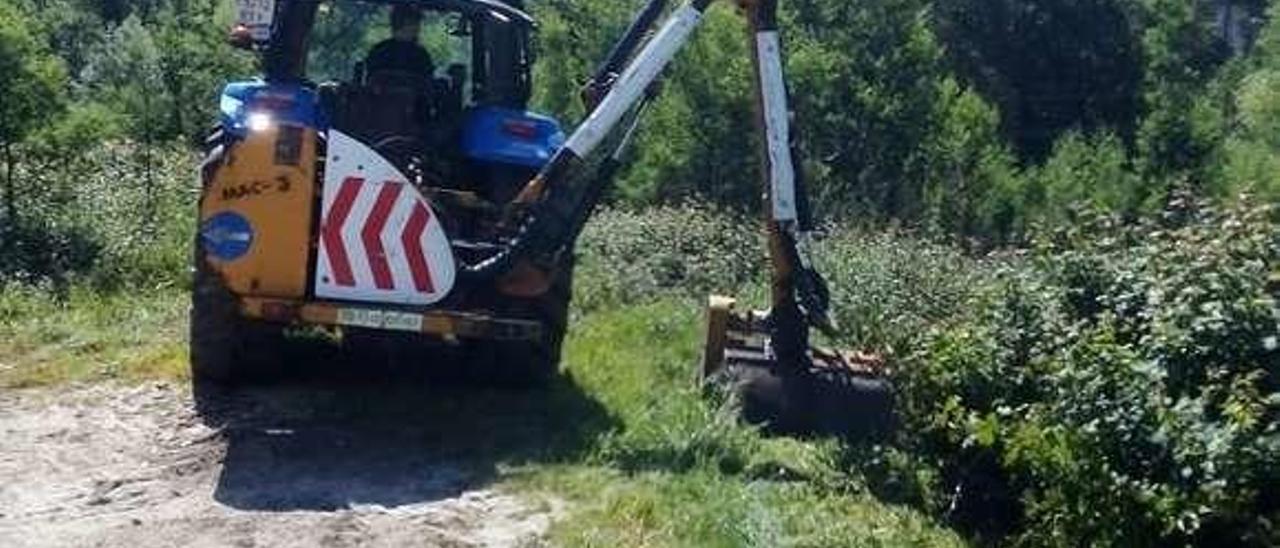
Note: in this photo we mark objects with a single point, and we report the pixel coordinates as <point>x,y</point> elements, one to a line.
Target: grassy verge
<point>679,471</point>
<point>705,508</point>
<point>672,469</point>
<point>90,335</point>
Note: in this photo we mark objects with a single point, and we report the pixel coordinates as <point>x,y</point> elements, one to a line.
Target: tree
<point>1251,150</point>
<point>31,92</point>
<point>72,29</point>
<point>1051,65</point>
<point>1181,126</point>
<point>194,62</point>
<point>884,131</point>
<point>888,132</point>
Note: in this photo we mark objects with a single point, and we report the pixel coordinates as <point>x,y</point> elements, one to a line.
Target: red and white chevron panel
<point>380,241</point>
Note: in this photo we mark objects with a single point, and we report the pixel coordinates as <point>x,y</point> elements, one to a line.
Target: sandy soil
<point>134,467</point>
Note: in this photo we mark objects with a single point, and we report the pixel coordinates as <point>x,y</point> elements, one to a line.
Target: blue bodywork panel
<point>284,103</point>
<point>508,136</point>
<point>490,134</point>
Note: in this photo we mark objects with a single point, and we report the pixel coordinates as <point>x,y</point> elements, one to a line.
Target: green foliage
<point>1052,66</point>
<point>1130,364</point>
<point>896,137</point>
<point>573,37</point>
<point>194,64</point>
<point>885,132</point>
<point>689,251</point>
<point>100,220</point>
<point>1180,128</point>
<point>714,157</point>
<point>1250,149</point>
<point>33,78</point>
<point>887,287</point>
<point>32,88</point>
<point>1083,171</point>
<point>162,74</point>
<point>126,74</point>
<point>158,65</point>
<point>709,82</point>
<point>971,172</point>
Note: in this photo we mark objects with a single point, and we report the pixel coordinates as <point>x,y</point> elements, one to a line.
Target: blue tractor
<point>424,211</point>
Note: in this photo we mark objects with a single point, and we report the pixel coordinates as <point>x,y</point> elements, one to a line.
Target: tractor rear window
<point>345,33</point>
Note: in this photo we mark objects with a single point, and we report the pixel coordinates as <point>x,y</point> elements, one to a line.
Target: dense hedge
<point>1114,384</point>
<point>1119,388</point>
<point>887,287</point>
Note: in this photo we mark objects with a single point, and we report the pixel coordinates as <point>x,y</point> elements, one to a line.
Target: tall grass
<point>48,338</point>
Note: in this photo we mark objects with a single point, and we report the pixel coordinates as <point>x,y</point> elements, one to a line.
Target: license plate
<point>380,319</point>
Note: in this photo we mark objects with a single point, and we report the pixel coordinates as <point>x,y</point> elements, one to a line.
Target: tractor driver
<point>402,53</point>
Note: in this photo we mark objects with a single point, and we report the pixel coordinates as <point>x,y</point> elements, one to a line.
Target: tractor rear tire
<point>527,363</point>
<point>226,348</point>
<point>213,337</point>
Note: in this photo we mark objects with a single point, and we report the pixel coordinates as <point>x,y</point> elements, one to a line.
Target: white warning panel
<point>380,241</point>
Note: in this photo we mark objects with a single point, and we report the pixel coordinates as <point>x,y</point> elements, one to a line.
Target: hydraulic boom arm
<point>763,357</point>
<point>799,294</point>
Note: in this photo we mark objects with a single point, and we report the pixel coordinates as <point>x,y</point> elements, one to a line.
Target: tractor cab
<point>459,129</point>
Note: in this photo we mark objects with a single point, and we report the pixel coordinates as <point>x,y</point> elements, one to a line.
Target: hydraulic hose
<point>549,229</point>
<point>538,230</point>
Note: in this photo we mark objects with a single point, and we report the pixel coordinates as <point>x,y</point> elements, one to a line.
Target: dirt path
<point>136,467</point>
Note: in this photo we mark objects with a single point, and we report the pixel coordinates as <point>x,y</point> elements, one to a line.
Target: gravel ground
<point>114,466</point>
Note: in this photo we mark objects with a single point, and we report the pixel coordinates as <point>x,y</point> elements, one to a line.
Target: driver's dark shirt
<point>399,55</point>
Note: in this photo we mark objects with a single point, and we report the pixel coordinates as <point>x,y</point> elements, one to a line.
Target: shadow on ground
<point>353,433</point>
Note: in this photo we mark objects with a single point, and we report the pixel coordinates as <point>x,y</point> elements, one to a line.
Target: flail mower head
<point>819,391</point>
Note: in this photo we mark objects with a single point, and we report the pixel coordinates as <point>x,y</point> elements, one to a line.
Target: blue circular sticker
<point>227,236</point>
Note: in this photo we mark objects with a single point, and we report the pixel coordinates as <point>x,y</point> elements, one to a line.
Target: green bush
<point>115,216</point>
<point>1121,388</point>
<point>690,250</point>
<point>887,287</point>
<point>1092,170</point>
